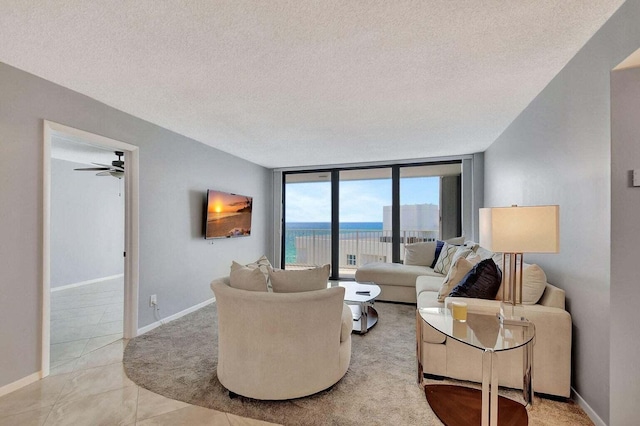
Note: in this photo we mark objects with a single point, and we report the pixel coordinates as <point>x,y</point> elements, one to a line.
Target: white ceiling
<point>77,151</point>
<point>293,83</point>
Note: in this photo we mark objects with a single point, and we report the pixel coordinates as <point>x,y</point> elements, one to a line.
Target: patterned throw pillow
<point>482,282</point>
<point>264,266</point>
<point>448,256</point>
<point>439,245</point>
<point>444,260</point>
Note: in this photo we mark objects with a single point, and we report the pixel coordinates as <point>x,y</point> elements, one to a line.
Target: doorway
<point>116,294</point>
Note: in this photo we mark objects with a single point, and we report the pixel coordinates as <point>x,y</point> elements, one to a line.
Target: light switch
<point>636,177</point>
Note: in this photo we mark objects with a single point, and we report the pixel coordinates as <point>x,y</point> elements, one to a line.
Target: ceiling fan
<point>116,169</point>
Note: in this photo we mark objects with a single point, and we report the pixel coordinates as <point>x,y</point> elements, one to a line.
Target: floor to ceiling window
<point>351,217</point>
<point>419,205</point>
<point>365,235</point>
<point>307,220</point>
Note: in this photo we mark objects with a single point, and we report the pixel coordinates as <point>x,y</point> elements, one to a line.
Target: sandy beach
<point>222,227</point>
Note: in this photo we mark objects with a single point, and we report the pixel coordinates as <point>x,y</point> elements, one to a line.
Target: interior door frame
<point>131,225</point>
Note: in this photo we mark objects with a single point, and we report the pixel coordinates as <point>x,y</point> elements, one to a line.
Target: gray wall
<point>176,263</point>
<point>625,234</point>
<point>87,225</point>
<point>558,152</point>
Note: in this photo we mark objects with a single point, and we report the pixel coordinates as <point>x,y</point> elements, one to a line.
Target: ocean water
<point>296,228</point>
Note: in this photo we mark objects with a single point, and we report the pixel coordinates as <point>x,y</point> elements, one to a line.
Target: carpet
<point>178,360</point>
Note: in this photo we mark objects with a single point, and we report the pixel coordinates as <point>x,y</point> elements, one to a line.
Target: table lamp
<point>514,231</point>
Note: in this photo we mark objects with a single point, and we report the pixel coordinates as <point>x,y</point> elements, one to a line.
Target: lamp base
<point>511,314</point>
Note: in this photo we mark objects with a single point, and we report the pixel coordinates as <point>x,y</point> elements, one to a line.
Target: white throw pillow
<point>459,269</point>
<point>471,245</point>
<point>420,254</point>
<point>287,281</point>
<point>534,282</point>
<point>484,253</point>
<point>456,241</point>
<point>246,278</point>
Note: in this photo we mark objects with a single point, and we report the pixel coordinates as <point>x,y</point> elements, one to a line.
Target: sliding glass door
<point>351,217</point>
<point>307,220</point>
<point>365,218</point>
<point>419,205</point>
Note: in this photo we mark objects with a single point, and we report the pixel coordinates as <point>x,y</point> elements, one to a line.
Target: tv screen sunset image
<point>228,215</point>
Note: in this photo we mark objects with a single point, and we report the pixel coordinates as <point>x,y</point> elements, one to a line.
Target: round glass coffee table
<point>360,298</point>
<point>489,334</point>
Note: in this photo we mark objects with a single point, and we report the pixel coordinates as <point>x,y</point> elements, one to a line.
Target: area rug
<point>178,360</point>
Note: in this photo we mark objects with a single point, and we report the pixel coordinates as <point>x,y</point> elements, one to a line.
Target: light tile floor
<point>87,384</point>
<point>84,319</point>
<point>94,390</point>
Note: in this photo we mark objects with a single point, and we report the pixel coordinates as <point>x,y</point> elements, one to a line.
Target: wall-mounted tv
<point>228,215</point>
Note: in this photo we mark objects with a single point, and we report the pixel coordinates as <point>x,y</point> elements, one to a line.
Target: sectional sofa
<point>445,357</point>
<point>398,281</point>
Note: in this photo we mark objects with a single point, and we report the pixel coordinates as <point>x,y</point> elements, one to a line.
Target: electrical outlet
<point>153,300</point>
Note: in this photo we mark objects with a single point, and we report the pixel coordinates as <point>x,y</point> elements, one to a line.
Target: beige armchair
<point>275,346</point>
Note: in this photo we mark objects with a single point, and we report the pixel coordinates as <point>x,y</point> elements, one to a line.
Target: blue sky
<point>360,200</point>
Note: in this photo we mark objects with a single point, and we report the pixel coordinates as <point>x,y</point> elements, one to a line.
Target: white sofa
<point>397,281</point>
<point>275,346</point>
<point>415,282</point>
<point>446,357</point>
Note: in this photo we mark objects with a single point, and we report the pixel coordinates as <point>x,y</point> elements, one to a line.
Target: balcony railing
<point>310,247</point>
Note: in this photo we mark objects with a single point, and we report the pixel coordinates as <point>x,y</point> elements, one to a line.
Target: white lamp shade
<point>533,229</point>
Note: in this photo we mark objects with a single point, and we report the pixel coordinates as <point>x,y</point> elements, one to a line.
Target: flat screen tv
<point>228,215</point>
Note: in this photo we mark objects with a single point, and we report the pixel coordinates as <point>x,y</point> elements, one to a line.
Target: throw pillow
<point>484,253</point>
<point>456,241</point>
<point>287,281</point>
<point>448,255</point>
<point>421,254</point>
<point>534,283</point>
<point>264,265</point>
<point>436,255</point>
<point>444,260</point>
<point>459,269</point>
<point>246,278</point>
<point>482,282</point>
<point>471,245</point>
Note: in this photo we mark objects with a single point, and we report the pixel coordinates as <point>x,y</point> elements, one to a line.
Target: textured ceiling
<point>292,83</point>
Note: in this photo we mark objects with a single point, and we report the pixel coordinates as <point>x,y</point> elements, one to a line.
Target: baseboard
<point>587,408</point>
<point>31,378</point>
<point>175,316</point>
<point>81,283</point>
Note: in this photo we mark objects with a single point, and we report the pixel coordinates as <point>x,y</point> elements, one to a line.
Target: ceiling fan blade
<point>118,168</point>
<point>107,173</point>
<point>89,169</point>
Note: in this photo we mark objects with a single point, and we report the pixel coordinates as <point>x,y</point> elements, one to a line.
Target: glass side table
<point>486,333</point>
